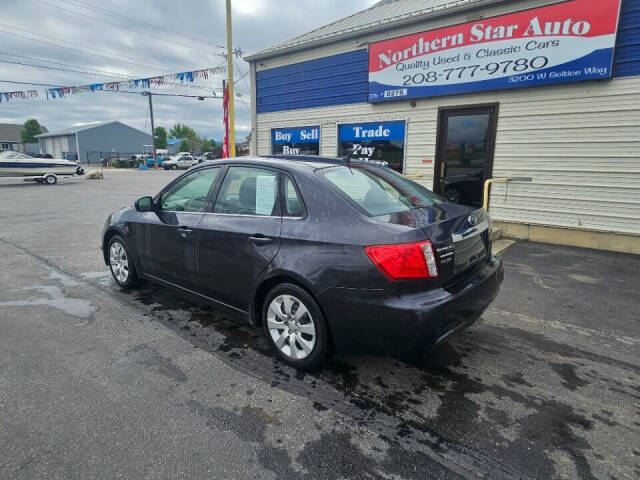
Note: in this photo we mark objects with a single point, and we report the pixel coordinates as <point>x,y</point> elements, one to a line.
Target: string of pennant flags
<point>59,92</point>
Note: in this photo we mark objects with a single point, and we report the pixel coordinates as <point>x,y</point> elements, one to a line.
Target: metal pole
<point>232,126</point>
<point>153,133</point>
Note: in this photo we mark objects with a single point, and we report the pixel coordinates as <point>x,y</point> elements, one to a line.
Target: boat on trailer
<point>41,170</point>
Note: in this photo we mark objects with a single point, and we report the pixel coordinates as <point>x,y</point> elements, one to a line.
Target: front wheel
<point>51,179</point>
<point>121,263</point>
<point>295,327</point>
<point>174,167</point>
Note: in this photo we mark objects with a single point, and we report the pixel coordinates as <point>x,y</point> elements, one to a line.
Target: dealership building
<point>453,93</point>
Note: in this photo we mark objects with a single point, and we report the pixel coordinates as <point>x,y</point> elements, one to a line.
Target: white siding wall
<point>580,143</point>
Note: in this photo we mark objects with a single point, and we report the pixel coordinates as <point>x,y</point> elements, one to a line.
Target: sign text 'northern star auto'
<point>566,42</point>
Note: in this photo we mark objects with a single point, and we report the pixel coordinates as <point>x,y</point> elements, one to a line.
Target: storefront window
<point>295,141</point>
<point>381,143</point>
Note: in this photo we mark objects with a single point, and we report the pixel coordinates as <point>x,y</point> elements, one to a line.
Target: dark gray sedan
<point>324,254</point>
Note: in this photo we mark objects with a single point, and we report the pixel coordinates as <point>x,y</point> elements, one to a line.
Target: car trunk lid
<point>460,236</point>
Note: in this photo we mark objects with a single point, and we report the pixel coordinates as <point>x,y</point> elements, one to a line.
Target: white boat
<point>43,170</point>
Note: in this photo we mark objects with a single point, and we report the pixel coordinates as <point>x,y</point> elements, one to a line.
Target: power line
<point>126,18</point>
<point>110,57</point>
<point>102,72</point>
<point>52,68</point>
<point>57,7</point>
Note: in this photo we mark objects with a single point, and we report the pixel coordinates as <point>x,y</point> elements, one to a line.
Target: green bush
<point>115,163</point>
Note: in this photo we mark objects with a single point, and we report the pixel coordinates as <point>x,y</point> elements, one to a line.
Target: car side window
<point>248,191</point>
<point>190,193</point>
<point>292,203</point>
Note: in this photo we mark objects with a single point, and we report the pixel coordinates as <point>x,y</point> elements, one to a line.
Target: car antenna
<point>347,157</point>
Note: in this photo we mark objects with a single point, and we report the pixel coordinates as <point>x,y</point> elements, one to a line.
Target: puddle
<point>64,279</point>
<point>150,357</point>
<point>583,279</point>
<point>75,307</point>
<point>103,278</point>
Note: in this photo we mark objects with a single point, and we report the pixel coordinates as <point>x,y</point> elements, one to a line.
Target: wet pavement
<point>99,382</point>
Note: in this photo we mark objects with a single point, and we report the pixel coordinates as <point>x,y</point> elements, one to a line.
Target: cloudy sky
<point>100,41</point>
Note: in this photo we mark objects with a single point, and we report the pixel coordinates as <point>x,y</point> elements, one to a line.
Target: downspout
<point>253,146</point>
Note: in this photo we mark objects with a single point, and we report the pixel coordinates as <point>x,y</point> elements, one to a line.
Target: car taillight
<point>405,260</point>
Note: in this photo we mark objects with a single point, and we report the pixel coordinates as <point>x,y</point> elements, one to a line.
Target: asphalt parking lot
<point>96,382</point>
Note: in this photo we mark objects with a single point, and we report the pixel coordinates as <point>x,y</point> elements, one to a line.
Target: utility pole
<point>232,125</point>
<point>153,133</point>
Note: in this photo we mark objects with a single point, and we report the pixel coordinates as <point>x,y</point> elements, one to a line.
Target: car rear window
<point>379,191</point>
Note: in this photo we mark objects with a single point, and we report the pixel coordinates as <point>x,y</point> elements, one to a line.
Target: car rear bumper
<point>373,321</point>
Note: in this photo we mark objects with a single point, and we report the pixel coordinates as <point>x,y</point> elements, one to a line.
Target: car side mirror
<point>145,204</point>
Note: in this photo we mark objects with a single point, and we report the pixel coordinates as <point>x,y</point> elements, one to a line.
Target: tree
<point>184,146</point>
<point>31,129</point>
<point>180,130</point>
<point>208,145</point>
<point>160,137</point>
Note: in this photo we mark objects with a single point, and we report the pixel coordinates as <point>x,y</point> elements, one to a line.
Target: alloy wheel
<point>452,195</point>
<point>291,327</point>
<point>119,262</point>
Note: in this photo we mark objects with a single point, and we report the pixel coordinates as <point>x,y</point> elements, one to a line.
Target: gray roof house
<point>10,138</point>
<point>90,142</point>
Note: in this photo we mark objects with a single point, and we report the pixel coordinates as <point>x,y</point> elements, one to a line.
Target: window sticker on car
<point>265,194</point>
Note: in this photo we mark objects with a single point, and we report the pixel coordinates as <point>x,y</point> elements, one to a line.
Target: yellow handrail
<point>487,184</point>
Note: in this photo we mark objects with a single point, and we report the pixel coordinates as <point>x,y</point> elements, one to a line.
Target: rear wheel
<point>51,179</point>
<point>452,194</point>
<point>295,327</point>
<point>121,263</point>
<point>174,167</point>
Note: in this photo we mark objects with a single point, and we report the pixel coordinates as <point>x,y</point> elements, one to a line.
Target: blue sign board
<point>285,136</point>
<point>372,131</point>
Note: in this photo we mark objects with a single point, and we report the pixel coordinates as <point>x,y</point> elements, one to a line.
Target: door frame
<point>441,131</point>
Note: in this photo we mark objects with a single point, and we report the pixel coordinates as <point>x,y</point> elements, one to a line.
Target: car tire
<point>121,263</point>
<point>50,179</point>
<point>452,195</point>
<point>309,331</point>
<point>174,167</point>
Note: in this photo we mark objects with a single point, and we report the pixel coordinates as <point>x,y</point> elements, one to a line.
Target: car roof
<point>289,162</point>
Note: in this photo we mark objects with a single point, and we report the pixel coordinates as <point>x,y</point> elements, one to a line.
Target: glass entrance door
<point>464,157</point>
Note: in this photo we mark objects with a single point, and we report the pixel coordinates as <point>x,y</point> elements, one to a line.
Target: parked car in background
<point>211,155</point>
<point>150,163</point>
<point>323,254</point>
<point>179,161</point>
<point>464,189</point>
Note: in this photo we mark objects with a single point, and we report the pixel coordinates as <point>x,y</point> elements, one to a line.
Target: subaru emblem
<point>472,220</point>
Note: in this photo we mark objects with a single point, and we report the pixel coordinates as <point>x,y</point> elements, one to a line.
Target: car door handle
<point>260,239</point>
<point>184,231</point>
